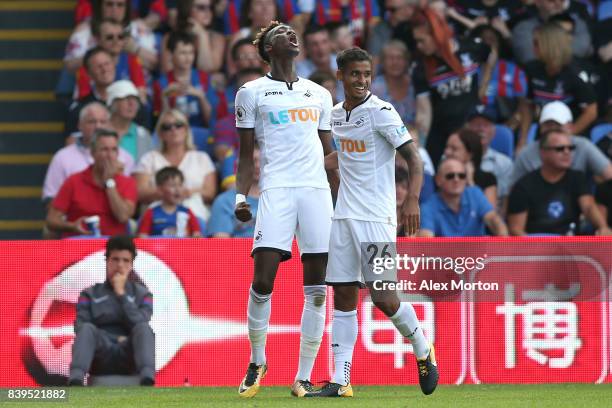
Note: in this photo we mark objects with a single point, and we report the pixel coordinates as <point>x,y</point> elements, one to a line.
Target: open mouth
<point>293,40</point>
<point>360,88</point>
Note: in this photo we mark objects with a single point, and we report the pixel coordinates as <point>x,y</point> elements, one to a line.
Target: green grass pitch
<point>473,396</point>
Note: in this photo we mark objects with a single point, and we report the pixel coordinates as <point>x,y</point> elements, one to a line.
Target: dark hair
<point>354,54</point>
<point>564,17</point>
<point>313,29</point>
<point>96,26</point>
<point>333,26</point>
<point>546,135</point>
<point>99,133</point>
<point>120,243</point>
<point>238,44</point>
<point>472,142</point>
<point>96,17</point>
<point>92,53</point>
<point>168,173</point>
<point>260,40</point>
<point>176,37</point>
<point>319,77</point>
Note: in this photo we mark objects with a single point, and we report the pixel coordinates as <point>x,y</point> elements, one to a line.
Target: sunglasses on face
<point>562,148</point>
<point>112,37</point>
<point>165,127</point>
<point>451,176</point>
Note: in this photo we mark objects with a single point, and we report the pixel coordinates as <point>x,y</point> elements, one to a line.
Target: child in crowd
<point>168,217</point>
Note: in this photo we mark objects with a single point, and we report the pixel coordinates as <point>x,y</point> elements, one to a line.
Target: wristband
<point>240,198</point>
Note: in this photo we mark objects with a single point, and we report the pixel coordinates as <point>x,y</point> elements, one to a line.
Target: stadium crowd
<point>511,102</point>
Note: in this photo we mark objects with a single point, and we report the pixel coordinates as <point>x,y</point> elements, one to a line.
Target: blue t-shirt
<point>437,217</point>
<point>222,218</point>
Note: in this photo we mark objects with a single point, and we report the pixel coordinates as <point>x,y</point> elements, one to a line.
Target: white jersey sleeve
<point>328,104</point>
<point>388,124</point>
<point>246,108</point>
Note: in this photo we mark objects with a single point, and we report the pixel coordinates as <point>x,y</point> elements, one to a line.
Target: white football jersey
<point>286,118</point>
<point>366,138</point>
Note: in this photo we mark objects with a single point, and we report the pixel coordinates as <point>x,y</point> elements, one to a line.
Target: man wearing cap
<point>586,156</point>
<point>124,104</point>
<point>482,121</point>
<point>549,200</point>
<point>99,190</point>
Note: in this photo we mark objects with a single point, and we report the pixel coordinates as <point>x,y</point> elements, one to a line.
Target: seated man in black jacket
<point>112,329</point>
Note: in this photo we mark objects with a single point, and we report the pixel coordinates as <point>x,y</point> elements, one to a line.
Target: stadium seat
<point>600,131</point>
<point>503,141</point>
<point>203,140</point>
<point>604,11</point>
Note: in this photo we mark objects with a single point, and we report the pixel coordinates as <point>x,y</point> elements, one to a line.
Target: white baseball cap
<point>556,111</point>
<point>119,90</point>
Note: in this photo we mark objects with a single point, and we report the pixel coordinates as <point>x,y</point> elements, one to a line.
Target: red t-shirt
<point>80,196</point>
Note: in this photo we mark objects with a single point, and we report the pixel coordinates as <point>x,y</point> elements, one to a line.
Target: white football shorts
<point>305,212</point>
<point>354,246</point>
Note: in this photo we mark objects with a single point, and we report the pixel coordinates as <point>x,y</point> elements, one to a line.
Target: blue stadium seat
<point>600,131</point>
<point>503,141</point>
<point>203,140</point>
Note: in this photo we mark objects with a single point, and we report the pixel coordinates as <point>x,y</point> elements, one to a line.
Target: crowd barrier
<point>547,321</point>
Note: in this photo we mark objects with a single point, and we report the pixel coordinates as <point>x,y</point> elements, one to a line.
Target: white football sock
<point>406,321</point>
<point>258,316</point>
<point>313,324</point>
<point>344,336</point>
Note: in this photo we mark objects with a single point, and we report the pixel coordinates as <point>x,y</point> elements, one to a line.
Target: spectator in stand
<point>123,103</point>
<point>168,217</point>
<point>523,32</point>
<point>466,146</point>
<point>554,77</point>
<point>482,122</point>
<point>362,15</point>
<point>196,17</point>
<point>139,40</point>
<point>395,25</point>
<point>225,134</point>
<point>394,84</point>
<point>506,87</point>
<point>603,197</point>
<point>244,56</point>
<point>328,81</point>
<point>185,88</point>
<point>340,36</point>
<point>223,223</point>
<point>177,150</point>
<point>587,158</point>
<point>99,190</point>
<point>77,156</point>
<point>152,12</point>
<point>445,79</point>
<point>319,56</point>
<point>101,69</point>
<point>295,12</point>
<point>498,13</point>
<point>112,38</point>
<point>254,15</point>
<point>550,200</point>
<point>112,331</point>
<point>458,210</point>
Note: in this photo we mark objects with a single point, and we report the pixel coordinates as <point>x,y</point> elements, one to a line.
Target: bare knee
<point>388,306</point>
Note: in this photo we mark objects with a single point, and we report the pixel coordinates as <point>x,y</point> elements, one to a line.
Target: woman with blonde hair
<point>177,149</point>
<point>394,83</point>
<point>554,76</point>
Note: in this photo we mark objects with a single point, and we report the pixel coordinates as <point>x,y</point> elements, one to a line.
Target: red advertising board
<point>527,331</point>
